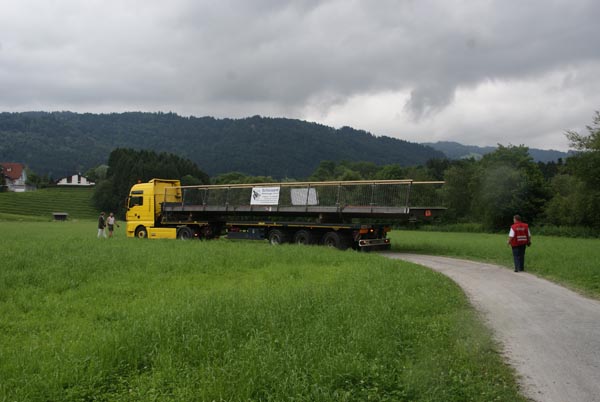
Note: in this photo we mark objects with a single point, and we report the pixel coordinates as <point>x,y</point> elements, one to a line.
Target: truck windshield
<point>135,201</point>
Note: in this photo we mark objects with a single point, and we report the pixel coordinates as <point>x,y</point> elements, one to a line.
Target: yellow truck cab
<point>144,207</point>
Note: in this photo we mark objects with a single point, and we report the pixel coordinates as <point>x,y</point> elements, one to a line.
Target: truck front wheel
<point>141,232</point>
<point>184,233</point>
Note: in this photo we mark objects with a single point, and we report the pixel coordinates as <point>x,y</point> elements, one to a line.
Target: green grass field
<point>40,204</point>
<point>570,262</point>
<point>86,319</point>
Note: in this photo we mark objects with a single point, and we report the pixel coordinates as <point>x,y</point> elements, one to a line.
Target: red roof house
<point>14,176</point>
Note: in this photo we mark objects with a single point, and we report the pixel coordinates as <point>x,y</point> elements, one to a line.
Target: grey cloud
<point>235,58</point>
<point>290,55</point>
<point>427,100</point>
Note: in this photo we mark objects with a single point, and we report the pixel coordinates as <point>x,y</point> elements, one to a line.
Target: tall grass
<point>546,230</point>
<point>572,262</point>
<point>136,320</point>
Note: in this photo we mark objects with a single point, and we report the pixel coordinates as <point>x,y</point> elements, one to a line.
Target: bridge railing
<point>332,195</point>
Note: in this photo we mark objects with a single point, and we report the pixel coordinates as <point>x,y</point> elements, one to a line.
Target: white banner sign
<point>265,196</point>
<point>304,196</point>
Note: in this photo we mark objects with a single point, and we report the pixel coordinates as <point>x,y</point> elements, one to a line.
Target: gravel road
<point>549,334</point>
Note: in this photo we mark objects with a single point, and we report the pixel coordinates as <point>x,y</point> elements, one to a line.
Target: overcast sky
<point>478,72</point>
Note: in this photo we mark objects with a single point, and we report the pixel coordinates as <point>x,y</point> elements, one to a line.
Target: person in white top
<point>111,222</point>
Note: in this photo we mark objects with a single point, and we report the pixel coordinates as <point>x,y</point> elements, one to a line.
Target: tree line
<point>488,191</point>
<point>59,144</point>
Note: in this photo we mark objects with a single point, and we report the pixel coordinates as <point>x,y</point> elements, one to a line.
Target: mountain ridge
<point>456,150</point>
<point>60,143</point>
<point>63,143</point>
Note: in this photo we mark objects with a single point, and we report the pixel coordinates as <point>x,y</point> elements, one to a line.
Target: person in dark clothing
<point>101,225</point>
<point>519,238</point>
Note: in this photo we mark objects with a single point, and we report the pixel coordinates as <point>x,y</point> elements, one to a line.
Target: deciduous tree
<point>127,167</point>
<point>509,182</point>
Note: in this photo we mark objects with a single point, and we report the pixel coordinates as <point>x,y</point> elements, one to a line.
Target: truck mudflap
<point>374,244</point>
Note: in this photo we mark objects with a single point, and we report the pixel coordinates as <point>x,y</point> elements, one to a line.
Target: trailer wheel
<point>184,233</point>
<point>141,232</point>
<point>337,240</point>
<point>277,237</point>
<point>304,237</point>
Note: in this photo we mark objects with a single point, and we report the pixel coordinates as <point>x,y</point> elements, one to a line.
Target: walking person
<point>111,222</point>
<point>519,238</point>
<point>101,225</point>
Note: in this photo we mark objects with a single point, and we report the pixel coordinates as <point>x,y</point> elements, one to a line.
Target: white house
<point>75,180</point>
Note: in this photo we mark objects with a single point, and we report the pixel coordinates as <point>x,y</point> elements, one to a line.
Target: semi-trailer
<point>341,214</point>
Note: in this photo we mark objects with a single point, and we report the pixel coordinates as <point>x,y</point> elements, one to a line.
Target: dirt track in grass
<point>549,334</point>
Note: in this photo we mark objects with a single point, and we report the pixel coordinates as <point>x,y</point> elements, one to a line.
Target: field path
<point>550,335</point>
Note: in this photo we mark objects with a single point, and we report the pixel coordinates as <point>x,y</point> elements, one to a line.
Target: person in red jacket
<point>519,238</point>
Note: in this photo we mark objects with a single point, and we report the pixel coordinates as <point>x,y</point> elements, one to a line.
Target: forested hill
<point>454,150</point>
<point>62,143</point>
